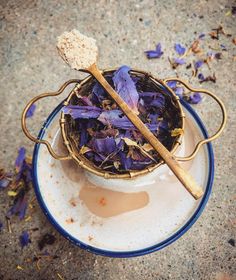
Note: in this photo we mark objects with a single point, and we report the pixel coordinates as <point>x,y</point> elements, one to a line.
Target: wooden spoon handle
<point>185,178</point>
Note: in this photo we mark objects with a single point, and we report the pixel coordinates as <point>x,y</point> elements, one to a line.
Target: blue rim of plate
<point>126,254</point>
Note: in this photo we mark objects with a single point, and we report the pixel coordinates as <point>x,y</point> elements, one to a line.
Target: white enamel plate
<point>168,214</point>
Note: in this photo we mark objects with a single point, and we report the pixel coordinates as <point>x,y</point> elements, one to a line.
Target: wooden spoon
<point>81,53</point>
<point>184,177</point>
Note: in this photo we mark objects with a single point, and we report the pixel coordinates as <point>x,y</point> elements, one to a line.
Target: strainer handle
<point>223,122</point>
<point>23,119</point>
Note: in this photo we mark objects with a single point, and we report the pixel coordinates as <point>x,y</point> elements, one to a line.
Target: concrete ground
<point>124,29</point>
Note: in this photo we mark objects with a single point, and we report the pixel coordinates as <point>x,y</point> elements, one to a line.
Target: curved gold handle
<point>30,103</point>
<point>220,129</point>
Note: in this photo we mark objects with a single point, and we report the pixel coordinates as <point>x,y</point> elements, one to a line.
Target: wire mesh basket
<point>145,82</point>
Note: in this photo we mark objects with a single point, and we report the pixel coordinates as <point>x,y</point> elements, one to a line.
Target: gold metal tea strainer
<point>82,87</point>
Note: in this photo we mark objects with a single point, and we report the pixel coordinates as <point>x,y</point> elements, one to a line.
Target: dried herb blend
<point>106,137</point>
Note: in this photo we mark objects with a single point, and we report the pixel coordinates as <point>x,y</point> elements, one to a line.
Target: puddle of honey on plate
<point>107,203</point>
<point>100,201</point>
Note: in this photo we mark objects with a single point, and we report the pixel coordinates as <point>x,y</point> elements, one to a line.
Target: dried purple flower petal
<point>150,95</point>
<point>98,94</point>
<point>5,178</point>
<point>31,110</point>
<point>24,239</point>
<point>154,53</point>
<point>104,146</point>
<point>158,49</point>
<point>117,119</point>
<point>200,76</point>
<point>153,99</point>
<point>25,170</point>
<point>179,49</point>
<point>82,127</point>
<point>1,226</point>
<point>20,159</point>
<point>179,61</point>
<point>198,64</point>
<point>85,101</point>
<point>179,91</point>
<point>126,88</point>
<point>89,155</point>
<point>4,182</point>
<point>172,84</point>
<point>158,103</point>
<point>175,62</point>
<point>194,98</point>
<point>126,162</point>
<point>114,118</point>
<point>153,118</point>
<point>202,35</point>
<point>82,112</point>
<point>19,206</point>
<point>22,208</point>
<point>110,132</point>
<point>223,47</point>
<point>19,173</point>
<point>28,171</point>
<point>83,138</point>
<point>20,183</point>
<point>135,79</point>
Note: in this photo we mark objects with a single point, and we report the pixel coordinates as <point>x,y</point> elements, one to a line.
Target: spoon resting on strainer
<point>81,53</point>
